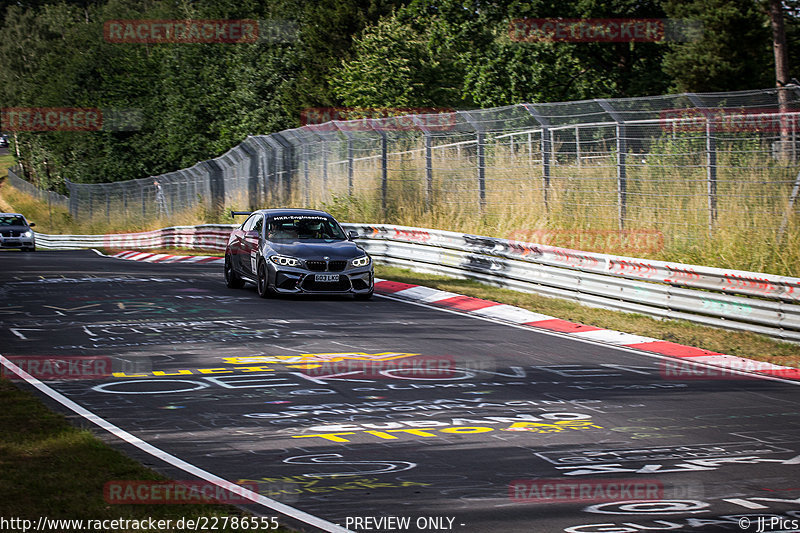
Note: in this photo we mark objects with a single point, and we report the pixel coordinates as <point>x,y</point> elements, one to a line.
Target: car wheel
<point>264,290</point>
<point>232,279</point>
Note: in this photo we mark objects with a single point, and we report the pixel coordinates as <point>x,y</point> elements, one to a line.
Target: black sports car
<point>294,251</point>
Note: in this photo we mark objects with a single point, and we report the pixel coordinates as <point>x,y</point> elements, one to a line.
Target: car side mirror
<point>31,224</point>
<point>352,235</point>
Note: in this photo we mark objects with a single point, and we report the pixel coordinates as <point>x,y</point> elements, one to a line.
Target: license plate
<point>326,278</point>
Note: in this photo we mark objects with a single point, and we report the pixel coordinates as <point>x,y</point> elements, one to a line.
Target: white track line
<point>171,459</point>
<point>578,338</point>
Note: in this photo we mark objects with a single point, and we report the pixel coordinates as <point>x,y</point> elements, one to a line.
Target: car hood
<point>318,250</point>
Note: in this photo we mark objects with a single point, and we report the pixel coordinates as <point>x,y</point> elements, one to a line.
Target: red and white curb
<point>729,364</point>
<point>167,258</point>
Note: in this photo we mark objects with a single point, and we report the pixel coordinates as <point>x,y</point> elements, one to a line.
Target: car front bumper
<point>288,280</point>
<point>17,242</point>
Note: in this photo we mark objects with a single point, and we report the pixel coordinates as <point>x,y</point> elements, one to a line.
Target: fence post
<point>789,207</point>
<point>306,179</point>
<point>578,145</point>
<point>325,169</point>
<point>349,165</point>
<point>73,199</point>
<point>711,174</point>
<point>622,150</point>
<point>216,185</point>
<point>546,148</point>
<point>428,159</point>
<point>480,138</point>
<point>428,170</point>
<point>384,171</point>
<point>711,163</point>
<point>480,148</point>
<point>252,174</point>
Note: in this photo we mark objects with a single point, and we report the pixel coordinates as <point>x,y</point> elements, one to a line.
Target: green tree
<point>734,52</point>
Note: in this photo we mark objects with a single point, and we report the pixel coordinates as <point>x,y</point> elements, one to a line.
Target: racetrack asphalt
<point>391,416</point>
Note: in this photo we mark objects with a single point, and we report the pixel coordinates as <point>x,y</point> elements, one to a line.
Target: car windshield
<point>13,220</point>
<point>286,228</point>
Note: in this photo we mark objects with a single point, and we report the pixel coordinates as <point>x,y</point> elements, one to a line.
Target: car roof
<point>289,211</point>
<point>12,215</point>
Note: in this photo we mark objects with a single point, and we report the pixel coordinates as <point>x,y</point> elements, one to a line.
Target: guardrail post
<point>578,145</point>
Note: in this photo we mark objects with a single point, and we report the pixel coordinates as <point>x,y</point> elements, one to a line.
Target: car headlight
<point>282,260</point>
<point>360,261</point>
<point>28,234</point>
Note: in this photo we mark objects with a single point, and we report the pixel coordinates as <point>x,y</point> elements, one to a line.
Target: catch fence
<point>687,164</point>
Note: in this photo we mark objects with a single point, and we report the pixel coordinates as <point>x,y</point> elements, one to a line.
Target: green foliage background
<point>199,100</point>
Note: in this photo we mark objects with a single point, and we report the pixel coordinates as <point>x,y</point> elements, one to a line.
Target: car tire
<point>232,279</point>
<point>262,276</point>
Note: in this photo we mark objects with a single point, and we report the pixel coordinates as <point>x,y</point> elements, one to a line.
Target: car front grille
<point>337,266</point>
<point>329,266</point>
<point>11,233</point>
<point>316,266</point>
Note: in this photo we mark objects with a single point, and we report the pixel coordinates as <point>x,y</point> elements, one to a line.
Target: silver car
<point>16,232</point>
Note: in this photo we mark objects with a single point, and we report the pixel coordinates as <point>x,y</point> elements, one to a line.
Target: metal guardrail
<point>747,301</point>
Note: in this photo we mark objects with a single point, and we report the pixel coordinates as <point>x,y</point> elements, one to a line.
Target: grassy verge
<point>743,344</point>
<point>52,469</point>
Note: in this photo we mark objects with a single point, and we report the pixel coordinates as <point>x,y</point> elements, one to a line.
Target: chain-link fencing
<point>688,165</point>
<point>49,197</point>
